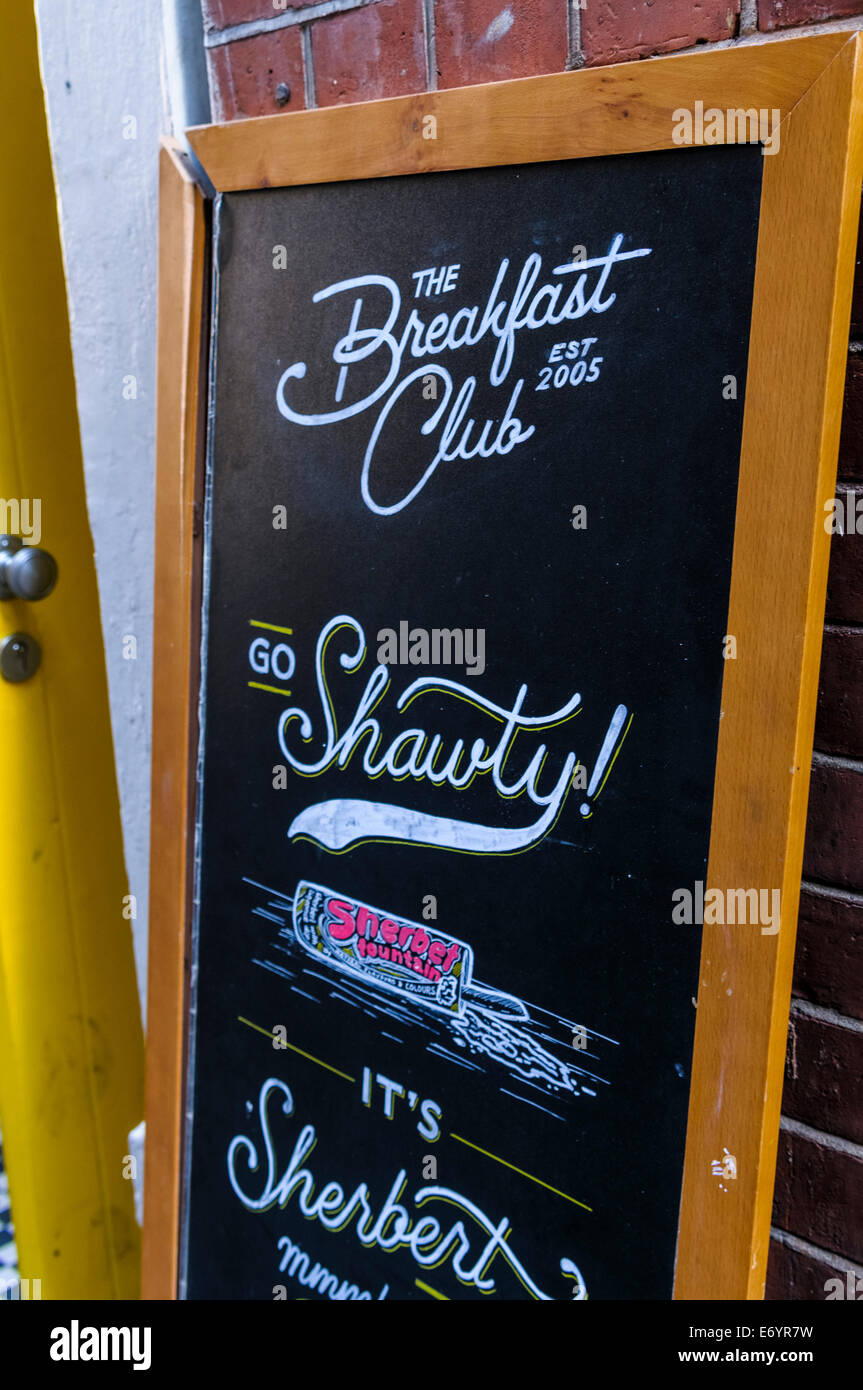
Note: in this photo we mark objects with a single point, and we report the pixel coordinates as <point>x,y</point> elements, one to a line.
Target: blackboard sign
<point>472,484</point>
<point>490,582</point>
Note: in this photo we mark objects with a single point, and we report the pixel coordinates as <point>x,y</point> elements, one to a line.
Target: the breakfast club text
<point>519,300</point>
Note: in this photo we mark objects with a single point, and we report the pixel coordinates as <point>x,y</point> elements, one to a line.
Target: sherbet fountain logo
<point>394,954</point>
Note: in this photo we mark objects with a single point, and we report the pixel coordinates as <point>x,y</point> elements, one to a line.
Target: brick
<point>845,580</point>
<point>828,965</point>
<point>614,31</point>
<point>244,75</point>
<point>800,1274</point>
<point>819,1192</point>
<point>824,1074</point>
<point>839,722</point>
<point>834,827</point>
<point>781,14</point>
<point>378,51</point>
<point>220,14</point>
<point>488,40</point>
<point>851,442</point>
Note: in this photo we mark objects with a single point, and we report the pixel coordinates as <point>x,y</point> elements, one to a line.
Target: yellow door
<point>71,1054</point>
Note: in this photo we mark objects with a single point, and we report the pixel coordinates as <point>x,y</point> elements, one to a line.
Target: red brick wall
<point>271,55</point>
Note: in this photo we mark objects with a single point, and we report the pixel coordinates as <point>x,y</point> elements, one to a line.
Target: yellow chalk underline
<point>427,1288</point>
<point>271,627</point>
<point>268,1033</point>
<point>273,689</point>
<point>497,1159</point>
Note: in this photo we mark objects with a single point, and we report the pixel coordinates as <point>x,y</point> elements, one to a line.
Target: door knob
<point>25,571</point>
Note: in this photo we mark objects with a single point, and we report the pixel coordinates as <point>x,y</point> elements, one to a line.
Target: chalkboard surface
<point>472,476</point>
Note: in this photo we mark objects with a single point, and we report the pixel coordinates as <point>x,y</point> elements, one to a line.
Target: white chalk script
<point>531,305</point>
<point>414,753</point>
<point>394,1226</point>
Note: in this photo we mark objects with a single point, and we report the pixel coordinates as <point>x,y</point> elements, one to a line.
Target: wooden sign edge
<point>815,83</point>
<point>621,109</point>
<point>181,394</point>
<point>776,614</point>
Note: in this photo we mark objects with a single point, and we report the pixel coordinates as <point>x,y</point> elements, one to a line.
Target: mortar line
<point>430,39</point>
<point>252,28</point>
<point>310,91</point>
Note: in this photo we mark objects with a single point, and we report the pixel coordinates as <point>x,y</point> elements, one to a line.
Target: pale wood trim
<point>798,348</point>
<point>569,115</point>
<point>179,435</point>
<point>810,204</point>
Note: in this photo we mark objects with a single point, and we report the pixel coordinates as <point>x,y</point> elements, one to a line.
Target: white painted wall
<point>115,73</point>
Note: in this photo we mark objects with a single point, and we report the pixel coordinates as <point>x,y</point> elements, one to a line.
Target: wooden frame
<point>179,443</point>
<point>810,204</point>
